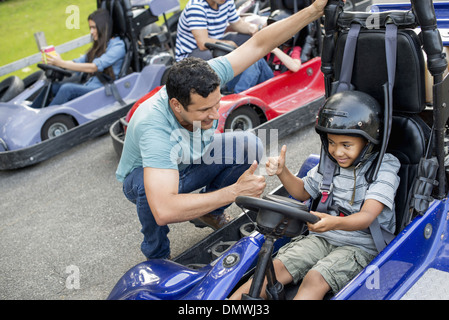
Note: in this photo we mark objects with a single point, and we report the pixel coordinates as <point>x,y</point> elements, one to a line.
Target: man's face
<point>203,110</point>
<point>345,149</point>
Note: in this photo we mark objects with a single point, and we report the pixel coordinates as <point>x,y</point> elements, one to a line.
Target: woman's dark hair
<point>191,75</point>
<point>103,21</point>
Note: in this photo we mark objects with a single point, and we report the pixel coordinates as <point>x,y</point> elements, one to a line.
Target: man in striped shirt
<point>206,21</point>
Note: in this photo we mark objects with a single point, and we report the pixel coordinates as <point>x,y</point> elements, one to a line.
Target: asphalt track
<point>68,233</point>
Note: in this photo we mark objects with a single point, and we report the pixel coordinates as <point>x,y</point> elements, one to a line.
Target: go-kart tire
<point>33,78</point>
<point>10,87</point>
<point>243,118</point>
<point>56,126</point>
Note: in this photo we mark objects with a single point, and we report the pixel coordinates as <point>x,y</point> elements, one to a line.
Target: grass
<point>20,19</point>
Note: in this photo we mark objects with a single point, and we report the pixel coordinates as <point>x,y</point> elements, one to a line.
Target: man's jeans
<point>228,156</point>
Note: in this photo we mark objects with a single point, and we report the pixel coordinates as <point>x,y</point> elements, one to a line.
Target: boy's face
<point>345,149</point>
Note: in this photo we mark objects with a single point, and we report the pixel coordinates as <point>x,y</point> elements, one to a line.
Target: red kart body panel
<point>273,97</point>
<point>278,95</point>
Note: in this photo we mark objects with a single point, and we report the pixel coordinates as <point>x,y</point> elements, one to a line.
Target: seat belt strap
<point>344,82</point>
<point>326,185</point>
<point>110,87</point>
<point>380,236</point>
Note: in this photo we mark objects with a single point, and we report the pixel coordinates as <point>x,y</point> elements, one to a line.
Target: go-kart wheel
<point>33,78</point>
<point>244,118</point>
<point>278,216</point>
<point>10,87</point>
<point>219,48</point>
<point>56,126</point>
<point>285,206</point>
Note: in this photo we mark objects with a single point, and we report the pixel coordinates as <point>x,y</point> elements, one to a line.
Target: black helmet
<point>351,113</point>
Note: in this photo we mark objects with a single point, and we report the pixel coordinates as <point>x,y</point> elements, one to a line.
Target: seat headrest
<point>370,20</point>
<point>117,12</point>
<point>370,70</point>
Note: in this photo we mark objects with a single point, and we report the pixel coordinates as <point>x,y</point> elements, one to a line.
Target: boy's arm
<point>294,185</point>
<point>273,36</point>
<point>242,26</point>
<point>357,221</point>
<point>291,63</point>
<point>202,36</point>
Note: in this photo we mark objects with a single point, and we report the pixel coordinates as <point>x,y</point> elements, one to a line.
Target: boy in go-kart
<point>338,246</point>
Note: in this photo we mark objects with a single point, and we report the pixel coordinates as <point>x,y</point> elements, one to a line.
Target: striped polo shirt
<point>198,14</point>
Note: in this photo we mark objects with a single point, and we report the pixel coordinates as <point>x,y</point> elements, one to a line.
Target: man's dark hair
<point>191,75</point>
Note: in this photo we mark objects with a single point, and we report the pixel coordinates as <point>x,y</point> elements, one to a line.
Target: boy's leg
<point>313,287</point>
<point>339,267</point>
<point>293,261</point>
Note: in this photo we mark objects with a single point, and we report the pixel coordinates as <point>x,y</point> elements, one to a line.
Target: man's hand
<point>275,165</point>
<point>320,4</point>
<point>250,184</point>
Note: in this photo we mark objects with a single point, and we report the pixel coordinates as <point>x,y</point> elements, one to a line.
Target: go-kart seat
<point>120,11</point>
<point>410,134</point>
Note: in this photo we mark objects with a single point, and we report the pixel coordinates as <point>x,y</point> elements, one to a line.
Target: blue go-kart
<point>415,264</point>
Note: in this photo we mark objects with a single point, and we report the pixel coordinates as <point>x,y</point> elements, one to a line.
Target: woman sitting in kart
<point>338,247</point>
<point>106,55</point>
<point>286,57</point>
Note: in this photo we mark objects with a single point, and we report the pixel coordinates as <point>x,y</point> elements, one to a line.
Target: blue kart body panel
<point>422,246</point>
<point>161,279</point>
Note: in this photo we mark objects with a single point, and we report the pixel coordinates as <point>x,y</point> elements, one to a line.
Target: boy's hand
<point>275,165</point>
<point>326,222</point>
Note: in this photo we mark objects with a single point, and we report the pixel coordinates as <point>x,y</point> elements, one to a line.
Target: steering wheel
<point>285,206</point>
<point>219,48</point>
<point>54,71</point>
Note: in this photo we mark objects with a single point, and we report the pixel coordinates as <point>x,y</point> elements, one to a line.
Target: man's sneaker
<point>214,221</point>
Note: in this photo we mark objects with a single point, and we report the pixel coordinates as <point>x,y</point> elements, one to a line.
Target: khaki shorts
<point>337,265</point>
